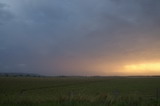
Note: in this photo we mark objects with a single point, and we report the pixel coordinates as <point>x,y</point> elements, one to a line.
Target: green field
<point>79,91</point>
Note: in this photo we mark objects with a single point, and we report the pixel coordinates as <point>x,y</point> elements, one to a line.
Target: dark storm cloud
<point>4,14</point>
<point>34,34</point>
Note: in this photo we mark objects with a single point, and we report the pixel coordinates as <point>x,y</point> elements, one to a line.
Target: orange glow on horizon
<point>143,68</point>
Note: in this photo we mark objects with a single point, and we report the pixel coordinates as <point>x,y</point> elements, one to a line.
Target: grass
<point>79,91</point>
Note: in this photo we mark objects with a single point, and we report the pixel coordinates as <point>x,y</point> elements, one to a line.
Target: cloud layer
<point>77,37</point>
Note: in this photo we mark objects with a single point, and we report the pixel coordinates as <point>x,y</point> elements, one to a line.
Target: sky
<point>80,37</point>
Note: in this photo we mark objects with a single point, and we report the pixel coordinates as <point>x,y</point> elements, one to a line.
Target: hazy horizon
<point>80,37</point>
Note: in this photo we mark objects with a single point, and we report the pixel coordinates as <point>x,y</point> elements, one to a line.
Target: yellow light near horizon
<point>144,67</point>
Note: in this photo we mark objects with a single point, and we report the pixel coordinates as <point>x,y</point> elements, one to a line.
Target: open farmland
<point>79,91</point>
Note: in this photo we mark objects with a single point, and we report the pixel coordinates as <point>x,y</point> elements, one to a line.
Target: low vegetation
<point>79,91</point>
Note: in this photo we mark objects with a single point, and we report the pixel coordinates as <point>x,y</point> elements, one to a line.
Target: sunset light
<point>143,67</point>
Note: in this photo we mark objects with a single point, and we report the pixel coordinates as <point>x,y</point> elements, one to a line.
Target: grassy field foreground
<point>79,91</point>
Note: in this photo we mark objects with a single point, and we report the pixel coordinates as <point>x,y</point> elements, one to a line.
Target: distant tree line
<point>18,75</point>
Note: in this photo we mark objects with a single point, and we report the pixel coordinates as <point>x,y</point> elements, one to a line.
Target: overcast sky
<point>78,37</point>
